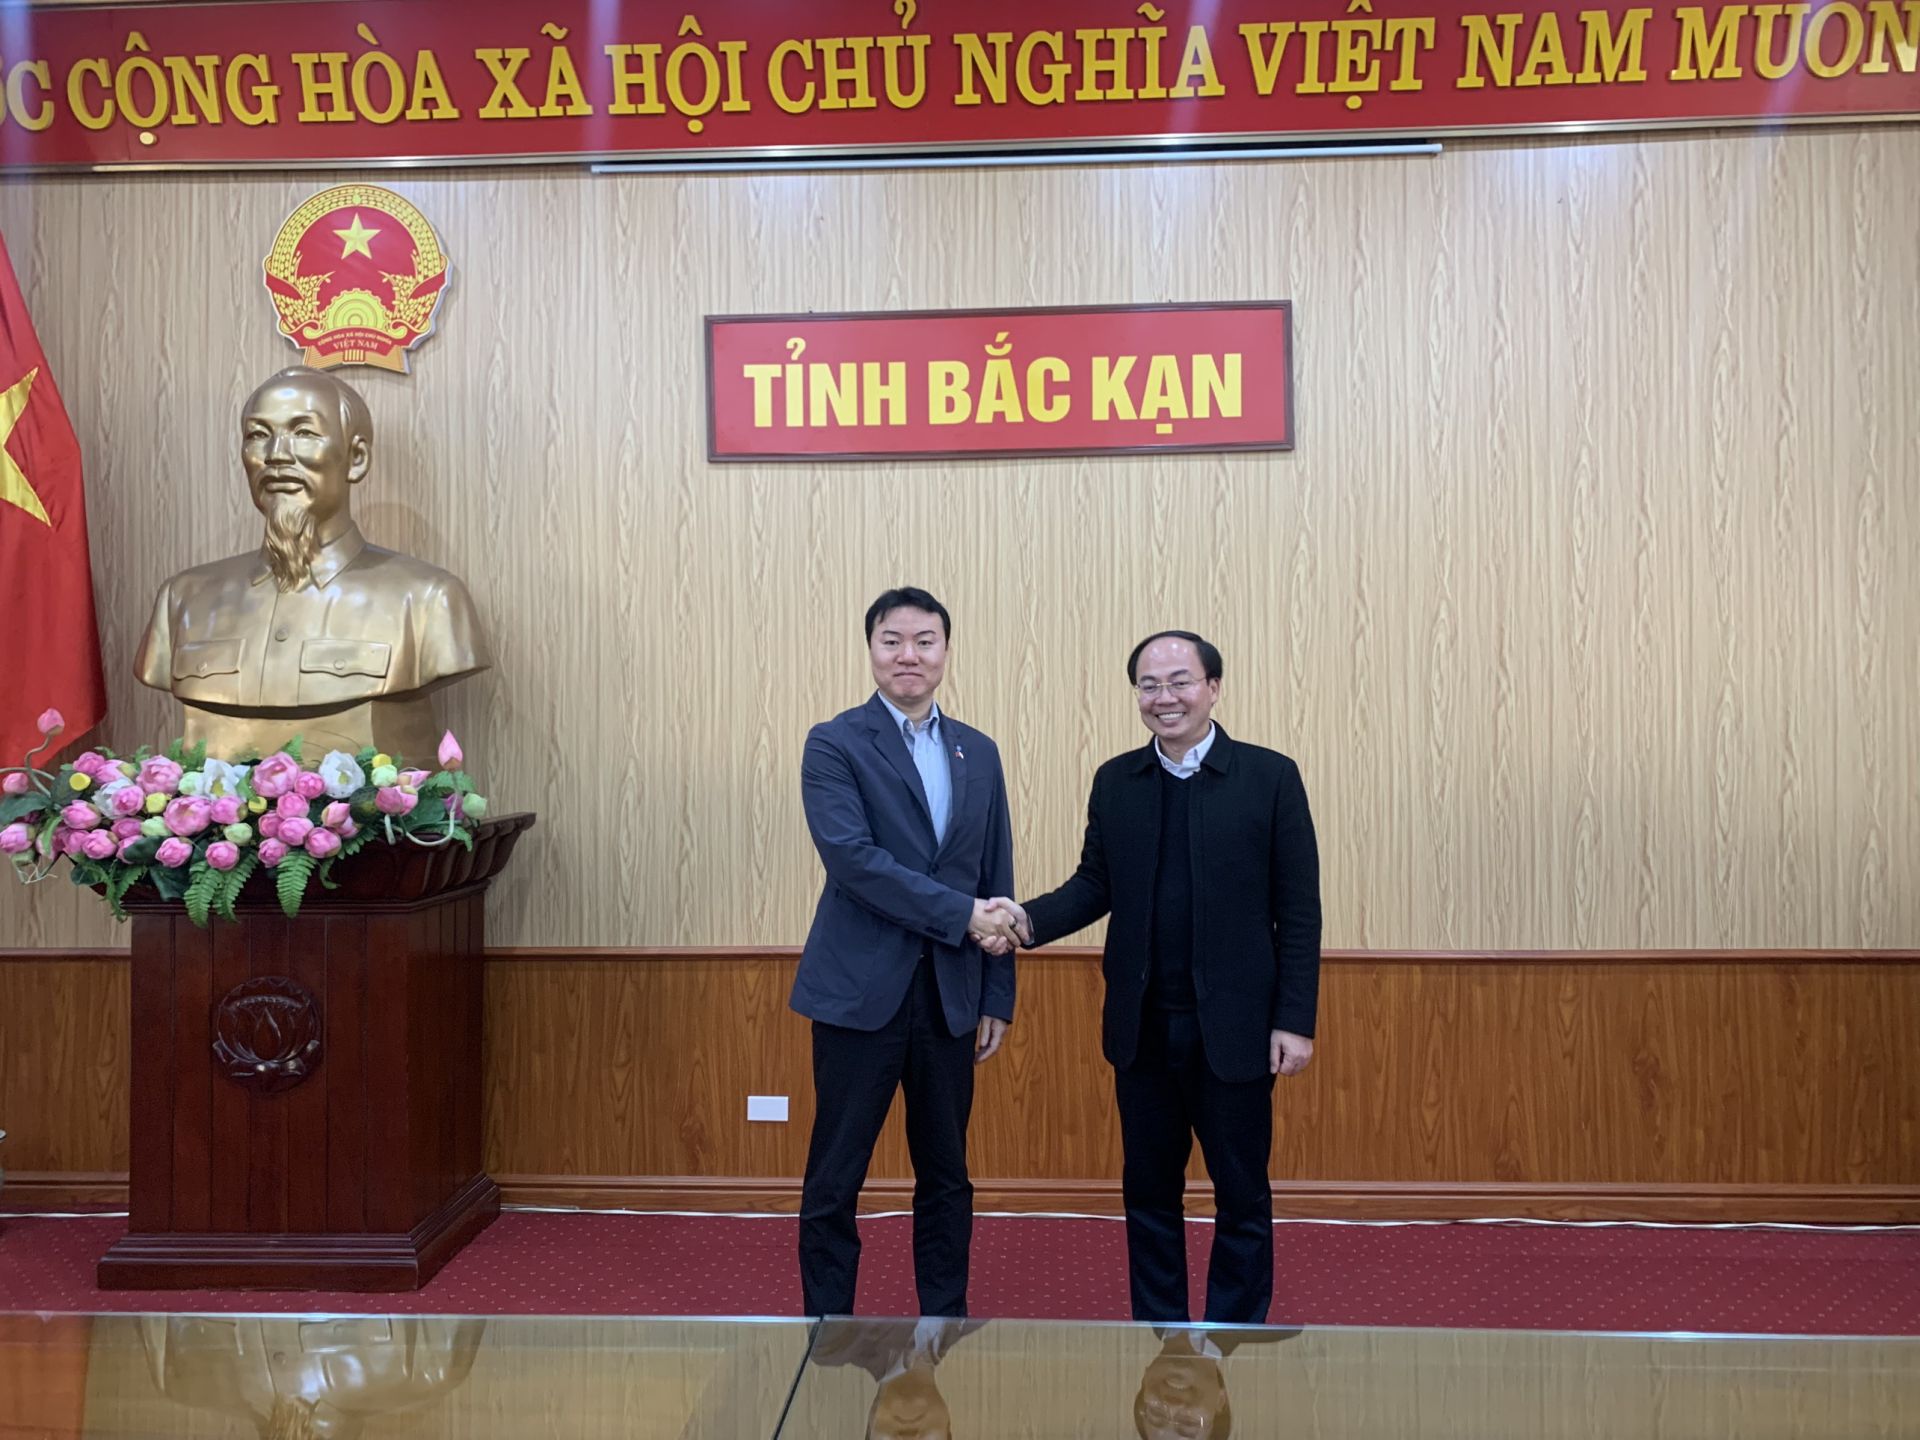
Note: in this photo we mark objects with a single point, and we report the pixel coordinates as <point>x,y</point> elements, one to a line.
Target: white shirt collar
<point>929,1335</point>
<point>930,726</point>
<point>1185,767</point>
<point>1200,1339</point>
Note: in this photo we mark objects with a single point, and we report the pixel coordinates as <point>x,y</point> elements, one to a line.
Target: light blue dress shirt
<point>930,759</point>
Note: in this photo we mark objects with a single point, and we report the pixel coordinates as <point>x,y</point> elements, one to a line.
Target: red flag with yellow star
<point>46,582</point>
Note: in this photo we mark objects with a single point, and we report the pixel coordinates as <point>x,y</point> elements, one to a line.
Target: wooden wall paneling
<point>1586,601</point>
<point>1780,1083</point>
<point>64,1060</point>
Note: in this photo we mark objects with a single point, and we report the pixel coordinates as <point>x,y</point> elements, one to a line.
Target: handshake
<point>998,925</point>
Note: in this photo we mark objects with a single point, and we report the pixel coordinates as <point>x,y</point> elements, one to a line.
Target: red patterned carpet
<point>1476,1276</point>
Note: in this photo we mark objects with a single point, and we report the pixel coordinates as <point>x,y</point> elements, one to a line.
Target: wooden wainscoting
<point>65,1058</point>
<point>1665,1085</point>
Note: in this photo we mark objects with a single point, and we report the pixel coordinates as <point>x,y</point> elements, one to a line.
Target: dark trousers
<point>1166,1098</point>
<point>855,1073</point>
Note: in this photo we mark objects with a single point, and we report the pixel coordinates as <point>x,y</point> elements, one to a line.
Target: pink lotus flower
<point>98,845</point>
<point>16,839</point>
<point>310,785</point>
<point>159,775</point>
<point>322,842</point>
<point>450,756</point>
<point>126,829</point>
<point>127,842</point>
<point>275,775</point>
<point>294,830</point>
<point>392,800</point>
<point>414,779</point>
<point>269,825</point>
<point>272,852</point>
<point>189,815</point>
<point>173,852</point>
<point>349,829</point>
<point>227,810</point>
<point>127,800</point>
<point>336,815</point>
<point>223,855</point>
<point>16,782</point>
<point>80,816</point>
<point>291,806</point>
<point>90,762</point>
<point>51,722</point>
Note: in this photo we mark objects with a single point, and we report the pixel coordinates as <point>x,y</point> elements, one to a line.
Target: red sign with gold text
<point>943,383</point>
<point>471,80</point>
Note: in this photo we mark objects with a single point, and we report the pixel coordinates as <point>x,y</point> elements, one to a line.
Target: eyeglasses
<point>1148,689</point>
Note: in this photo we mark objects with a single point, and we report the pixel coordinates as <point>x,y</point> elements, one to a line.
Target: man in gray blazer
<point>907,973</point>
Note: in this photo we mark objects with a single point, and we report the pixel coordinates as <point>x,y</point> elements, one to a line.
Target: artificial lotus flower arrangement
<point>196,828</point>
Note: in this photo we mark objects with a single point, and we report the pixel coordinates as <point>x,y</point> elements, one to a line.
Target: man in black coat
<point>1201,848</point>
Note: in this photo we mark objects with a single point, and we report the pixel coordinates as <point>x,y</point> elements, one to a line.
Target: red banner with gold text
<point>475,80</point>
<point>948,383</point>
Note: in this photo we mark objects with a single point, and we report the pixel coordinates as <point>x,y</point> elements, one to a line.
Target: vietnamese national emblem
<point>355,274</point>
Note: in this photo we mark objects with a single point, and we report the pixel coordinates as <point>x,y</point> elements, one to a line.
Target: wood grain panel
<point>1587,602</point>
<point>65,1055</point>
<point>1607,1070</point>
<point>1714,1085</point>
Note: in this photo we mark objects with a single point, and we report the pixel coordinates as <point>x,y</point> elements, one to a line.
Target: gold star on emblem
<point>357,237</point>
<point>14,486</point>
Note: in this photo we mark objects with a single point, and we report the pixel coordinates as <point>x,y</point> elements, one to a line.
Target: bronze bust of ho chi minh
<point>316,633</point>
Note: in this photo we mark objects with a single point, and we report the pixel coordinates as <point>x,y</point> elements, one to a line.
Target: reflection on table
<point>227,1377</point>
<point>1030,1380</point>
<point>307,1379</point>
<point>901,1357</point>
<point>282,1377</point>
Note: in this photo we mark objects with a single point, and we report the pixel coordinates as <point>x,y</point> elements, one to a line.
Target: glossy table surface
<point>283,1377</point>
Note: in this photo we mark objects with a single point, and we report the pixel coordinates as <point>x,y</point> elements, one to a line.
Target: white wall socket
<point>767,1107</point>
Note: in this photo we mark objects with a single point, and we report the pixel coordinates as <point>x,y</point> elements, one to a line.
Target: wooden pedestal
<point>307,1092</point>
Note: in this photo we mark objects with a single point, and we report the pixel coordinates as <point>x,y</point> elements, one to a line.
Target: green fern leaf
<point>127,877</point>
<point>200,892</point>
<point>235,881</point>
<point>290,880</point>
